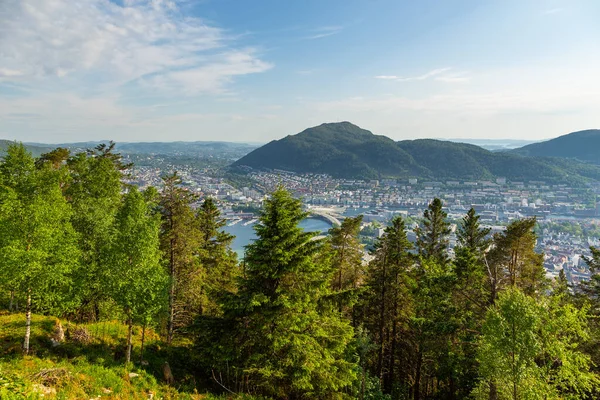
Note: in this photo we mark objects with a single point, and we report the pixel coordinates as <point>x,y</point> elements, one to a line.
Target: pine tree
<point>216,256</point>
<point>347,252</point>
<point>290,341</point>
<point>514,262</point>
<point>432,233</point>
<point>180,242</point>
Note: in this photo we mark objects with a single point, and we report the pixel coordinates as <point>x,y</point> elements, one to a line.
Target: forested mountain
<point>581,145</point>
<point>344,150</point>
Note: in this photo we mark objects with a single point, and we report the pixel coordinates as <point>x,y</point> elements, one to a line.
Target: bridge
<point>333,220</point>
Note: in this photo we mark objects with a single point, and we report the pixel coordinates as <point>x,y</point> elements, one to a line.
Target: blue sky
<point>242,70</point>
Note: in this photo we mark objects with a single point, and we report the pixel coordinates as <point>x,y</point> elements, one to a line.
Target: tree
<point>216,256</point>
<point>180,242</point>
<point>137,279</point>
<point>471,235</point>
<point>388,300</point>
<point>289,339</point>
<point>432,233</point>
<point>530,350</point>
<point>514,261</point>
<point>347,252</point>
<point>94,192</point>
<point>38,242</point>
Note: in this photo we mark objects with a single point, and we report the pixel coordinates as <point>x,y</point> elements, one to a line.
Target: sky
<point>258,70</point>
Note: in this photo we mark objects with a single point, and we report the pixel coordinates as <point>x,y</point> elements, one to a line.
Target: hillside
<point>582,145</point>
<point>340,149</point>
<point>36,150</point>
<point>344,150</point>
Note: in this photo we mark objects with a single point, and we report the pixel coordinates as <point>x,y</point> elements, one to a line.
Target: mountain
<point>339,149</point>
<point>582,145</point>
<point>344,150</point>
<point>36,149</point>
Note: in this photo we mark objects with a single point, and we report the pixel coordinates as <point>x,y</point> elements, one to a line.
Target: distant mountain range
<point>495,144</point>
<point>582,145</point>
<point>344,150</point>
<point>194,149</point>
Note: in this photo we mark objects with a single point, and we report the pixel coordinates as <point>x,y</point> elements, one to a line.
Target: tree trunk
<point>493,391</point>
<point>12,298</point>
<point>129,329</point>
<point>417,384</point>
<point>170,328</point>
<point>142,347</point>
<point>388,383</point>
<point>381,322</point>
<point>27,324</point>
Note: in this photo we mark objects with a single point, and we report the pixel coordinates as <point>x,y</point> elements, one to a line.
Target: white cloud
<point>8,73</point>
<point>325,31</point>
<point>98,42</point>
<point>439,74</point>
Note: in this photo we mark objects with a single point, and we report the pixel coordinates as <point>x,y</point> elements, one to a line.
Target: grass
<point>91,370</point>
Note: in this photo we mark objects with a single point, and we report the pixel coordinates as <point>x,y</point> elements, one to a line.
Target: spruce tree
<point>432,233</point>
<point>471,235</point>
<point>216,256</point>
<point>290,340</point>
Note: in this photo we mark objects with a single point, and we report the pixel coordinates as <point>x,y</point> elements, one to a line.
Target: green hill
<point>34,149</point>
<point>582,145</point>
<point>344,150</point>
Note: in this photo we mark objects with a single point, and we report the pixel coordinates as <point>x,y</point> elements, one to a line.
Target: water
<point>245,234</point>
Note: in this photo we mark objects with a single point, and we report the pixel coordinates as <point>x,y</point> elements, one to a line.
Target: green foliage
<point>94,193</point>
<point>346,253</point>
<point>432,233</point>
<point>471,235</point>
<point>38,244</point>
<point>514,260</point>
<point>180,239</point>
<point>387,303</point>
<point>530,350</point>
<point>216,257</point>
<point>136,279</point>
<point>287,339</point>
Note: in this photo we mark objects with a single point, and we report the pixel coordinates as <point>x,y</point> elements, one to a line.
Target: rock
<point>133,375</point>
<point>43,390</point>
<point>106,391</point>
<point>59,333</point>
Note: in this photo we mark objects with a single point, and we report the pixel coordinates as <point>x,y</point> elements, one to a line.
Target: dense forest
<point>299,317</point>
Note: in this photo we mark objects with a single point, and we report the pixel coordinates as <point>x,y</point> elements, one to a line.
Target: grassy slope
<point>83,371</point>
